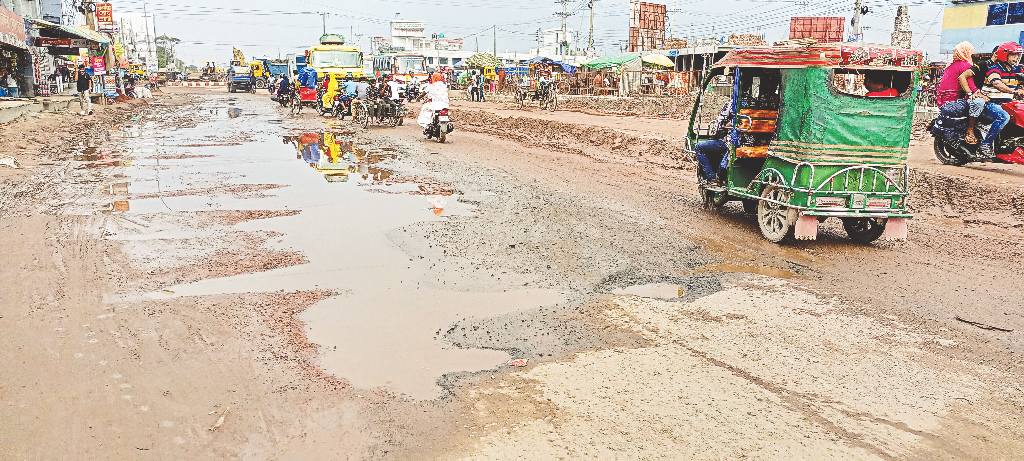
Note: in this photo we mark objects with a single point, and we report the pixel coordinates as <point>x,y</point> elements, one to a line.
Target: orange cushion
<point>752,152</point>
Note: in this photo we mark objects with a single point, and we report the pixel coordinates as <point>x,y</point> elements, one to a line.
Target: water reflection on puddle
<point>337,159</point>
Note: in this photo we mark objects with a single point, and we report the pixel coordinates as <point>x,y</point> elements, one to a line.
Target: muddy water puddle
<point>653,290</point>
<point>383,327</point>
<point>758,270</point>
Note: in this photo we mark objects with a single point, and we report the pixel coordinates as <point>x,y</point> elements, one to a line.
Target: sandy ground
<point>819,349</point>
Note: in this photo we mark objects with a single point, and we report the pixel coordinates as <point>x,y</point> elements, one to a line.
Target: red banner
<point>12,29</point>
<point>62,42</point>
<point>104,15</point>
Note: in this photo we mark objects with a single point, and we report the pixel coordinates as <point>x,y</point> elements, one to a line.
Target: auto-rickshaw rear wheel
<point>772,216</point>
<point>864,230</point>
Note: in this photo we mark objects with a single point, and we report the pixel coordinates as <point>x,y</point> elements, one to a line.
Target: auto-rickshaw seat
<point>752,152</point>
<point>762,121</point>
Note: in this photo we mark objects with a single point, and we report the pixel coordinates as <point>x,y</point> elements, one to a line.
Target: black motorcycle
<point>439,127</point>
<point>951,149</point>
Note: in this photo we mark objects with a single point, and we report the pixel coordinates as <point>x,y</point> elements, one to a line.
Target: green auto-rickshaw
<point>809,139</point>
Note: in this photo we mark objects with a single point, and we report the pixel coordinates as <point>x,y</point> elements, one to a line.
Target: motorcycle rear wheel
<point>948,155</point>
<point>441,136</point>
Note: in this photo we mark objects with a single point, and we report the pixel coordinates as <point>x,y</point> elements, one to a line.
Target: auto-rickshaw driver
<point>750,131</point>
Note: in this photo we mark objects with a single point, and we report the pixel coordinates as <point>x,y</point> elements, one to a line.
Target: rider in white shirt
<point>437,95</point>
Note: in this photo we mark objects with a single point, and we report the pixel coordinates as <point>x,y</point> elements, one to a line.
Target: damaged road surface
<point>221,279</point>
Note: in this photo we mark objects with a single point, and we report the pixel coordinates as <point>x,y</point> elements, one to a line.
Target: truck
<point>240,78</point>
<point>332,57</point>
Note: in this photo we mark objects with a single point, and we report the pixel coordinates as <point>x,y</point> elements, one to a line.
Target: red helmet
<point>1005,50</point>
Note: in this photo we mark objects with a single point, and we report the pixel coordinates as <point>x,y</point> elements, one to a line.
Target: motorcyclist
<point>388,93</point>
<point>282,86</point>
<point>1001,86</point>
<point>437,99</point>
<point>362,89</point>
<point>348,90</point>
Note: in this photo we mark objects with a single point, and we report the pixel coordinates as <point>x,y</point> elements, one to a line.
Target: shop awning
<point>611,61</point>
<point>659,60</point>
<point>76,31</point>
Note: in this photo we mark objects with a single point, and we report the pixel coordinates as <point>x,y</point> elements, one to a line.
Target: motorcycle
<point>412,91</point>
<point>951,149</point>
<point>439,127</point>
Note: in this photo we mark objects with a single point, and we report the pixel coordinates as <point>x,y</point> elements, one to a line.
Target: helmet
<point>1004,51</point>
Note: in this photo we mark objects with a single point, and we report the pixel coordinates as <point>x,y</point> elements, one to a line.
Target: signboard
<point>12,29</point>
<point>61,42</point>
<point>104,16</point>
<point>646,26</point>
<point>98,66</point>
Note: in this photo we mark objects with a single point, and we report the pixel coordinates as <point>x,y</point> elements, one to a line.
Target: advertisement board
<point>12,29</point>
<point>98,66</point>
<point>104,16</point>
<point>61,42</point>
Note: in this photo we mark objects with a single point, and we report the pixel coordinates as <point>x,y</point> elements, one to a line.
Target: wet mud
<point>374,302</point>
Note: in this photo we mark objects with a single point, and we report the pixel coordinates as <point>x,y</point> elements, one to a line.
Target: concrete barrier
<point>13,110</point>
<point>196,84</point>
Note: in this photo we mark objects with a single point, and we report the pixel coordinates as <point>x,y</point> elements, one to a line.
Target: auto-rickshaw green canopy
<point>822,125</point>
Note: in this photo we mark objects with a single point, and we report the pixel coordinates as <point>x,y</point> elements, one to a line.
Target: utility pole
<point>565,15</point>
<point>590,39</point>
<point>495,40</point>
<point>323,17</point>
<point>538,42</point>
<point>857,11</point>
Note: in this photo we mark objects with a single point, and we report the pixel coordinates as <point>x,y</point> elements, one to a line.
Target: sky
<point>266,28</point>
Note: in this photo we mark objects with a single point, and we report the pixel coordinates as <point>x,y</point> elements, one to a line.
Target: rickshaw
<point>806,141</point>
<point>543,91</point>
<point>302,96</point>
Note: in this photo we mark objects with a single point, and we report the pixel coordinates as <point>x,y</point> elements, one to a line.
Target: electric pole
<point>495,41</point>
<point>590,40</point>
<point>565,15</point>
<point>323,17</point>
<point>857,11</point>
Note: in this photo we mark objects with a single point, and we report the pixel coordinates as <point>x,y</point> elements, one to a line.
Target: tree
<point>165,50</point>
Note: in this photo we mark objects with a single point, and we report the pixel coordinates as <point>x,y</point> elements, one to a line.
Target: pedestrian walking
<point>84,81</point>
<point>12,85</point>
<point>481,84</point>
<point>474,87</point>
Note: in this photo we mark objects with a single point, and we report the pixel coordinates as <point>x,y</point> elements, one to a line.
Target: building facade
<point>986,24</point>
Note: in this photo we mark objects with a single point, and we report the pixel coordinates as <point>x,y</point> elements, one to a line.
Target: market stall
<point>15,58</point>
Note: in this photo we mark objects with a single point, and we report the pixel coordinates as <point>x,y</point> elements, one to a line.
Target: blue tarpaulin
<point>307,77</point>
